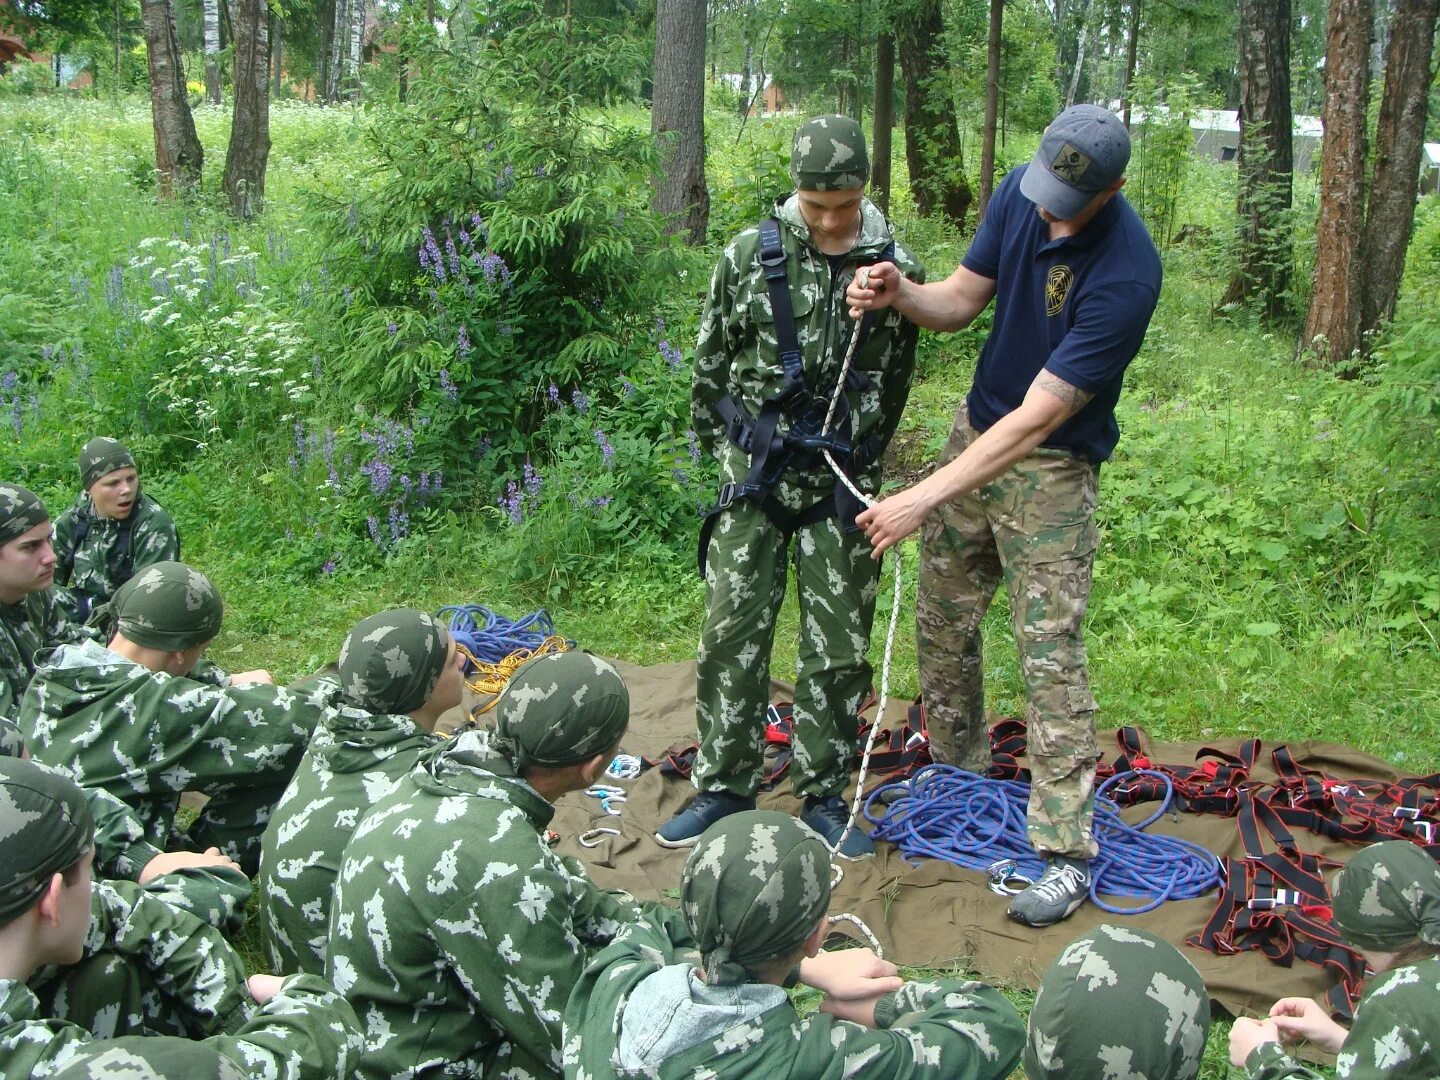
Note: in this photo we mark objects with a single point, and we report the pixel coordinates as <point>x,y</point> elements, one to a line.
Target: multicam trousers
<point>835,580</point>
<point>1032,528</point>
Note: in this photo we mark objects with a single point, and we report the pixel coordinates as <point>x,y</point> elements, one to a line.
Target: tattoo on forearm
<point>1075,398</point>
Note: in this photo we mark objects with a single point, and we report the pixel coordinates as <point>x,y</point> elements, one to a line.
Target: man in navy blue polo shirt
<point>1075,278</point>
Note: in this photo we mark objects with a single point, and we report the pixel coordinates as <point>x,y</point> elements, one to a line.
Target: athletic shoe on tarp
<point>704,810</point>
<point>1062,888</point>
<point>828,817</point>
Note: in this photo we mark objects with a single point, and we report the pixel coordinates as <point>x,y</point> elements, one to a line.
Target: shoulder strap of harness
<point>777,284</point>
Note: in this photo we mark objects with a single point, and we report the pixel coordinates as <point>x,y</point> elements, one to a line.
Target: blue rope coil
<point>491,637</point>
<point>946,813</point>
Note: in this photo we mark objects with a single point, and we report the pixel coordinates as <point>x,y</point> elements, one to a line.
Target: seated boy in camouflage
<point>1118,1002</point>
<point>457,932</point>
<point>133,718</point>
<point>398,672</point>
<point>754,895</point>
<point>80,964</point>
<point>30,617</point>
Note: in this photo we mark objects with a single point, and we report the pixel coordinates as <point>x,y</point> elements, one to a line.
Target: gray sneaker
<point>1062,888</point>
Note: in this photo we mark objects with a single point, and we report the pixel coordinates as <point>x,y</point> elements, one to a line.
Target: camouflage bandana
<point>167,605</point>
<point>20,511</point>
<point>45,827</point>
<point>391,661</point>
<point>562,709</point>
<point>754,888</point>
<point>1388,896</point>
<point>1122,1002</point>
<point>148,1057</point>
<point>100,458</point>
<point>828,154</point>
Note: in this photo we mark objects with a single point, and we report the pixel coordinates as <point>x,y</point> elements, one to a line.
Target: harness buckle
<point>1282,898</point>
<point>1426,829</point>
<point>1411,812</point>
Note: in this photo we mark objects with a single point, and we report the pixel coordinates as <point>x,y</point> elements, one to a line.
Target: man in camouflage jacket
<point>754,897</point>
<point>398,672</point>
<point>828,232</point>
<point>457,933</point>
<point>112,530</point>
<point>128,719</point>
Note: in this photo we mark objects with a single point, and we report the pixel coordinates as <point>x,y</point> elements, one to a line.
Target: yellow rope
<point>489,679</point>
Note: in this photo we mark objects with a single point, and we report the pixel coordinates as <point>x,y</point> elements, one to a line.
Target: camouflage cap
<point>101,457</point>
<point>1388,896</point>
<point>20,511</point>
<point>167,605</point>
<point>390,662</point>
<point>45,827</point>
<point>561,709</point>
<point>12,742</point>
<point>754,888</point>
<point>153,1057</point>
<point>828,154</point>
<point>1118,1002</point>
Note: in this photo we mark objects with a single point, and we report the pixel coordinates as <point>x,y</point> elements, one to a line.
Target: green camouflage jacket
<point>457,932</point>
<point>37,622</point>
<point>945,1029</point>
<point>738,353</point>
<point>1396,1034</point>
<point>305,1032</point>
<point>147,968</point>
<point>146,736</point>
<point>91,568</point>
<point>354,760</point>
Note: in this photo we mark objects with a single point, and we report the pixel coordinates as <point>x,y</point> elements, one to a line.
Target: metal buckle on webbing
<point>1411,812</point>
<point>1426,829</point>
<point>1005,878</point>
<point>1282,898</point>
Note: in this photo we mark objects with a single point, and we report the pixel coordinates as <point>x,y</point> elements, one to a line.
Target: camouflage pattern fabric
<point>1394,1036</point>
<point>100,457</point>
<point>355,759</point>
<point>90,569</point>
<point>12,742</point>
<point>755,886</point>
<point>827,153</point>
<point>146,969</point>
<point>20,511</point>
<point>45,827</point>
<point>305,1032</point>
<point>1034,529</point>
<point>562,709</point>
<point>951,1029</point>
<point>167,606</point>
<point>1388,896</point>
<point>38,622</point>
<point>457,933</point>
<point>738,354</point>
<point>146,737</point>
<point>390,662</point>
<point>1118,1003</point>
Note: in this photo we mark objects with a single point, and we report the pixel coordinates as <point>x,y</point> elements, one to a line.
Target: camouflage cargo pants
<point>835,580</point>
<point>1032,528</point>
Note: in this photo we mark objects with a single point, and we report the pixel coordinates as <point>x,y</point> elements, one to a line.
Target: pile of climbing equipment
<point>494,647</point>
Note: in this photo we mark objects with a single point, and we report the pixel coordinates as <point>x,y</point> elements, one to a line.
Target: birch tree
<point>211,35</point>
<point>179,156</point>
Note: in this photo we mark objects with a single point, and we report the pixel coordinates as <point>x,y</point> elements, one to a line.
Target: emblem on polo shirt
<point>1070,165</point>
<point>1057,287</point>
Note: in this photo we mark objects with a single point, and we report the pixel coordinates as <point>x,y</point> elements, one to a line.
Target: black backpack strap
<point>777,284</point>
<point>65,565</point>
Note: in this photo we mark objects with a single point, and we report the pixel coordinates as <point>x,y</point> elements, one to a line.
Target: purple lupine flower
<point>600,501</point>
<point>479,225</point>
<point>511,501</point>
<point>554,394</point>
<point>483,447</point>
<point>393,328</point>
<point>405,484</point>
<point>80,286</point>
<point>380,474</point>
<point>465,237</point>
<point>506,180</point>
<point>673,356</point>
<point>532,479</point>
<point>422,489</point>
<point>345,291</point>
<point>399,523</point>
<point>680,476</point>
<point>462,341</point>
<point>17,416</point>
<point>436,482</point>
<point>447,384</point>
<point>289,533</point>
<point>329,567</point>
<point>373,524</point>
<point>430,255</point>
<point>627,387</point>
<point>294,463</point>
<point>115,286</point>
<point>8,380</point>
<point>317,366</point>
<point>606,450</point>
<point>452,254</point>
<point>300,439</point>
<point>327,448</point>
<point>580,401</point>
<point>660,325</point>
<point>694,441</point>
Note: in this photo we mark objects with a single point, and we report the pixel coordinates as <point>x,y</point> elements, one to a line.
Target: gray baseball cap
<point>1083,151</point>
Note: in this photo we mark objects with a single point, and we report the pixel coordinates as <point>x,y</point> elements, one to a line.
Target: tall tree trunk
<point>1267,159</point>
<point>339,46</point>
<point>745,91</point>
<point>211,37</point>
<point>119,81</point>
<point>992,100</point>
<point>1080,35</point>
<point>932,141</point>
<point>1332,327</point>
<point>179,157</point>
<point>325,18</point>
<point>884,117</point>
<point>249,148</point>
<point>677,118</point>
<point>1132,48</point>
<point>352,60</point>
<point>277,60</point>
<point>1399,138</point>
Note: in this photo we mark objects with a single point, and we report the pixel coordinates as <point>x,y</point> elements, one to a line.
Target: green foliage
<point>1160,155</point>
<point>24,79</point>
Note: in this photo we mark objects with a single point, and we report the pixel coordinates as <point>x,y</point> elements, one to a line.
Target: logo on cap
<point>1070,165</point>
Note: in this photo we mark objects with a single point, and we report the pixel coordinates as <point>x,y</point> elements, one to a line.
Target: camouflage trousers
<point>1032,528</point>
<point>835,581</point>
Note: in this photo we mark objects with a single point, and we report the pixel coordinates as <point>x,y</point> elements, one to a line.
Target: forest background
<point>440,352</point>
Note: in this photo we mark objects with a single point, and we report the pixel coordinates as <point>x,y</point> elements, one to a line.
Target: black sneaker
<point>828,817</point>
<point>1062,888</point>
<point>704,810</point>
